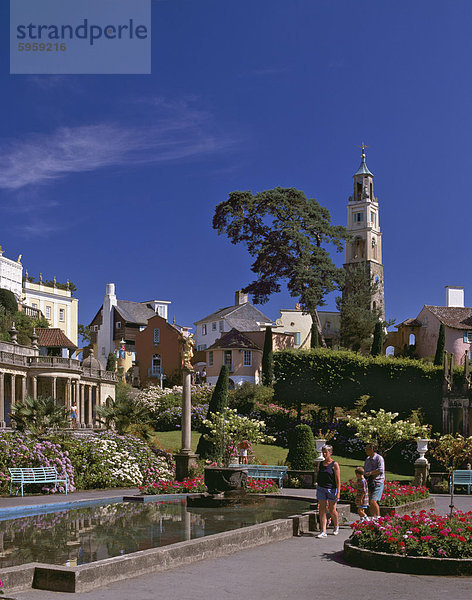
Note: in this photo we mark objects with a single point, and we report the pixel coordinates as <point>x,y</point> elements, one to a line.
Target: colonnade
<point>14,386</point>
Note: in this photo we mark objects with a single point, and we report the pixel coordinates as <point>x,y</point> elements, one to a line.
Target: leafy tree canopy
<point>287,235</point>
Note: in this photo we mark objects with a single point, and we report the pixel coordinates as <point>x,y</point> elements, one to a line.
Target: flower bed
<point>261,486</point>
<point>424,534</point>
<point>162,486</point>
<point>394,494</point>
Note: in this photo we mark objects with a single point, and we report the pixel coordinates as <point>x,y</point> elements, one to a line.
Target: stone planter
<point>306,478</point>
<point>397,563</point>
<point>225,479</point>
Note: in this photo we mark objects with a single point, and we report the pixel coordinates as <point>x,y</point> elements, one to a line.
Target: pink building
<point>423,331</point>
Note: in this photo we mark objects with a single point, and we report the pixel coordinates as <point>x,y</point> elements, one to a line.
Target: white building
<point>11,274</point>
<point>242,316</point>
<point>298,323</point>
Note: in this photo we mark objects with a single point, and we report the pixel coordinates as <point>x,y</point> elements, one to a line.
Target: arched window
<point>412,339</point>
<point>156,364</point>
<point>390,351</point>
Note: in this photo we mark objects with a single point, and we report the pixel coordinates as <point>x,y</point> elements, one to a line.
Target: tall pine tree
<point>378,339</point>
<point>439,356</point>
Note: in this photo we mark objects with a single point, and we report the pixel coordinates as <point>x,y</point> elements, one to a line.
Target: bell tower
<point>363,224</point>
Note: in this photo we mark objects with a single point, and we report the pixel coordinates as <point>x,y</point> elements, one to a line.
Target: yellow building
<point>56,304</point>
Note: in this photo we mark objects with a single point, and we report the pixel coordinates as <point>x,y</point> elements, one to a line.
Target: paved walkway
<point>303,568</point>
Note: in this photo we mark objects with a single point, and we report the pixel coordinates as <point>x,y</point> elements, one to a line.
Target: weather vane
<point>363,147</point>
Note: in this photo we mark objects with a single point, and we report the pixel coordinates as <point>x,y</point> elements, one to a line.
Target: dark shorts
<point>326,494</point>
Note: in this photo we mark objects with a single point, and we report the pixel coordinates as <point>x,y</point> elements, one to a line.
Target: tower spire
<point>363,170</point>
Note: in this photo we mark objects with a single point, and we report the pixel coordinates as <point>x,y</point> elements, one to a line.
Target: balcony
<point>9,358</point>
<point>54,362</point>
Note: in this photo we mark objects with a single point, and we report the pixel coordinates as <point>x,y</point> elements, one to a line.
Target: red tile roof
<point>53,338</point>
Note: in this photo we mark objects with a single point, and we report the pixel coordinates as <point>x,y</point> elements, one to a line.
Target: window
<point>204,329</point>
<point>34,305</point>
<point>328,325</point>
<point>468,337</point>
<point>118,325</point>
<point>358,217</point>
<point>372,218</point>
<point>210,358</point>
<point>228,359</point>
<point>48,312</point>
<point>247,358</point>
<point>222,324</point>
<point>297,338</point>
<point>213,326</point>
<point>156,364</point>
<point>62,314</point>
<point>202,347</point>
<point>157,336</point>
<point>103,350</point>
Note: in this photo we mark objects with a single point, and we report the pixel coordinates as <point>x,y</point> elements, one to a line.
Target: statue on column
<point>188,347</point>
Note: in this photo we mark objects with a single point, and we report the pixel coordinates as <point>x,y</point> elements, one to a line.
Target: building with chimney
<point>419,336</point>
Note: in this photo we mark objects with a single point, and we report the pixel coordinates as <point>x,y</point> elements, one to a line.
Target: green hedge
<point>338,378</point>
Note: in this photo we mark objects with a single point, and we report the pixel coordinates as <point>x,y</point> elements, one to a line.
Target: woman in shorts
<point>329,488</point>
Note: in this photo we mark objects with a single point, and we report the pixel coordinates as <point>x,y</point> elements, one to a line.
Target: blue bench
<point>266,472</point>
<point>462,478</point>
<point>25,475</point>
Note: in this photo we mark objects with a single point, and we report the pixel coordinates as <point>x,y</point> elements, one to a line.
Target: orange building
<point>158,351</point>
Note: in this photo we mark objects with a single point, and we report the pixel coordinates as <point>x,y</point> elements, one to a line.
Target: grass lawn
<point>269,455</point>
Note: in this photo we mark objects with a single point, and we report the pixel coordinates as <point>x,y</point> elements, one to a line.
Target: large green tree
<point>358,318</point>
<point>287,235</point>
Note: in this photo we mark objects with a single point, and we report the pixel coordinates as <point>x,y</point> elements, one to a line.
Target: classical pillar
<point>185,459</point>
<point>445,416</point>
<point>68,398</point>
<point>13,391</point>
<point>2,400</point>
<point>54,387</point>
<point>34,382</point>
<point>23,388</point>
<point>89,404</point>
<point>82,405</point>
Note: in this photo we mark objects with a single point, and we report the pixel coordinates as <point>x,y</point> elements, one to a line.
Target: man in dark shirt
<point>374,472</point>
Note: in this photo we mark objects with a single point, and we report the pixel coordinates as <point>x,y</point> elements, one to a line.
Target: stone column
<point>23,388</point>
<point>34,385</point>
<point>89,404</point>
<point>445,416</point>
<point>54,387</point>
<point>465,418</point>
<point>2,400</point>
<point>82,405</point>
<point>68,398</point>
<point>13,391</point>
<point>185,459</point>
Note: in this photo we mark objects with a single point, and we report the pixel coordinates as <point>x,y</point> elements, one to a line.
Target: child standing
<point>362,493</point>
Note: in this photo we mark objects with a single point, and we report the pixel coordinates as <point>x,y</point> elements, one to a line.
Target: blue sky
<point>115,178</point>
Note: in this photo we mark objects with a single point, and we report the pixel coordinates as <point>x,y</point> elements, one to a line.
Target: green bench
<point>462,478</point>
<point>25,475</point>
<point>266,472</point>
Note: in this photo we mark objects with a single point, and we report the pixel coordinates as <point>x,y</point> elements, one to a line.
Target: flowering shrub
<point>261,486</point>
<point>228,430</point>
<point>171,418</point>
<point>187,486</point>
<point>156,399</point>
<point>423,534</point>
<point>23,450</point>
<point>89,460</point>
<point>394,493</point>
<point>110,460</point>
<point>381,428</point>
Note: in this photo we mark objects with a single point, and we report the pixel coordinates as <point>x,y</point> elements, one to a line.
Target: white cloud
<point>40,158</point>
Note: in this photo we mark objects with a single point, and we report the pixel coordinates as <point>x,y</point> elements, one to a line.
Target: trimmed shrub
<point>439,356</point>
<point>302,452</point>
<point>218,402</point>
<point>268,359</point>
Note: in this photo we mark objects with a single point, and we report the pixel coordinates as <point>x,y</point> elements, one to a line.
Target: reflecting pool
<point>87,534</point>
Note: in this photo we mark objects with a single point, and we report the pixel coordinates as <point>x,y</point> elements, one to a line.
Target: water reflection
<point>88,534</point>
